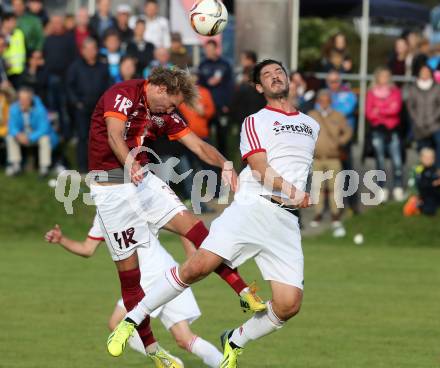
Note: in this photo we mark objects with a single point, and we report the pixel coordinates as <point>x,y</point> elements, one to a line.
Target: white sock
<point>205,351</point>
<point>261,324</point>
<point>136,343</point>
<point>163,290</point>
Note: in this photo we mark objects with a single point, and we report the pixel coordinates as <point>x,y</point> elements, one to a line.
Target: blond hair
<point>176,81</point>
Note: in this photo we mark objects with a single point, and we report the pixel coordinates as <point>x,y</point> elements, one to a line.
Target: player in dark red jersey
<point>126,117</point>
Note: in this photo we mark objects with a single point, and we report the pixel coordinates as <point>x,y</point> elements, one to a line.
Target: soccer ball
<point>208,17</point>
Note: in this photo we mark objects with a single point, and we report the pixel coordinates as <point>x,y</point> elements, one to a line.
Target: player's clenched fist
<point>229,176</point>
<point>54,235</point>
<point>136,173</point>
<point>301,199</point>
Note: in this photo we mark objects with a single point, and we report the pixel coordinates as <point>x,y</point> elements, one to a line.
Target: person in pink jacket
<point>383,106</point>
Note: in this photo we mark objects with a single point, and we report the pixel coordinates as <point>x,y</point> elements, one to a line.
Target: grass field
<point>369,306</point>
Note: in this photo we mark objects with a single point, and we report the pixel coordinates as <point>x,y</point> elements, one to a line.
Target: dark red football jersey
<point>126,101</point>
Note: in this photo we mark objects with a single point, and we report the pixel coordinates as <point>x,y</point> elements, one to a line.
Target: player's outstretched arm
<point>84,249</point>
<point>211,156</point>
<point>266,174</point>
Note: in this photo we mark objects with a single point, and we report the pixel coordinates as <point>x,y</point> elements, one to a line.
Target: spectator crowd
<point>53,69</point>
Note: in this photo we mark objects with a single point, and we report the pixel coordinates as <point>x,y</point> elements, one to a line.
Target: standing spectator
<point>245,100</point>
<point>215,73</point>
<point>59,51</point>
<point>82,29</point>
<point>69,23</point>
<point>424,108</point>
<point>4,117</point>
<point>15,54</point>
<point>305,97</point>
<point>400,61</point>
<point>248,59</point>
<point>123,12</point>
<point>344,99</point>
<point>157,29</point>
<point>3,66</point>
<point>87,79</point>
<point>161,58</point>
<point>421,57</point>
<point>31,26</point>
<point>179,55</point>
<point>36,7</point>
<point>334,134</point>
<point>127,68</point>
<point>335,51</point>
<point>35,76</point>
<point>29,126</point>
<point>198,118</point>
<point>383,106</point>
<point>103,20</point>
<point>139,48</point>
<point>111,54</point>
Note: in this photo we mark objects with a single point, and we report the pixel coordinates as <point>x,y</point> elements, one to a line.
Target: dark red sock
<point>132,294</point>
<point>232,277</point>
<point>145,333</point>
<point>197,235</point>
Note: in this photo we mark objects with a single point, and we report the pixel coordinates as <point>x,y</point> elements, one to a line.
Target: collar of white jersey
<point>267,107</point>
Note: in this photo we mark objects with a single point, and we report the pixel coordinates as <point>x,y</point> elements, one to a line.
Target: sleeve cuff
<point>117,115</point>
<point>181,134</point>
<point>95,238</point>
<point>250,153</point>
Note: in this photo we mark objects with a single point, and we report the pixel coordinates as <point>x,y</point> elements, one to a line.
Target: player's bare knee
<point>286,309</point>
<point>190,272</point>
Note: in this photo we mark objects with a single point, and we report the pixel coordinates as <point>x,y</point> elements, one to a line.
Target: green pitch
<point>374,305</point>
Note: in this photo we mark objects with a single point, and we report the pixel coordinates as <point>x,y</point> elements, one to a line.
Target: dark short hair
<point>151,1</point>
<point>212,42</point>
<point>140,20</point>
<point>251,55</point>
<point>7,16</point>
<point>257,69</point>
<point>111,32</point>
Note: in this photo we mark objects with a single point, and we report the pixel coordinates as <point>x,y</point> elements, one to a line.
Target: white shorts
<point>253,227</point>
<point>153,262</point>
<point>127,213</point>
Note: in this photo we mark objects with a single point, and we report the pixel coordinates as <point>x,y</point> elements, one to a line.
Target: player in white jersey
<point>176,315</point>
<point>278,145</point>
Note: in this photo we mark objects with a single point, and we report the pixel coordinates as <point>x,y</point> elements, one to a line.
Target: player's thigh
<point>123,229</point>
<point>286,299</point>
<point>157,201</point>
<point>199,265</point>
<point>281,258</point>
<point>182,222</point>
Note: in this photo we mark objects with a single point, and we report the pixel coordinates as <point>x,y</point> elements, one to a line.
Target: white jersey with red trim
<point>289,141</point>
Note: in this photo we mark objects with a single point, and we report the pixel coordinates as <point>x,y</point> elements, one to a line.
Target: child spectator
<point>29,126</point>
<point>425,186</point>
<point>383,106</point>
<point>111,54</point>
